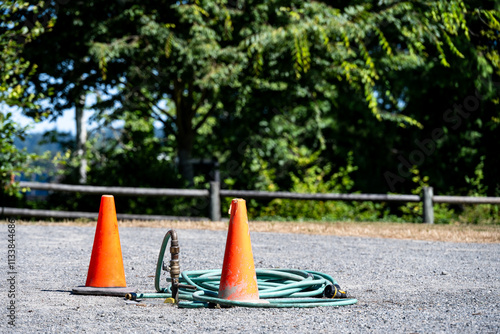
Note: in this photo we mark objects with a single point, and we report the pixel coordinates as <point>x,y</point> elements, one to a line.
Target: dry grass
<point>452,233</point>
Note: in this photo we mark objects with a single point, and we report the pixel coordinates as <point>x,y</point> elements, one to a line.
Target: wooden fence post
<point>215,201</point>
<point>428,205</point>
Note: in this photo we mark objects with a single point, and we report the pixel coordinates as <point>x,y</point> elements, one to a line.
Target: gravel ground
<point>402,286</point>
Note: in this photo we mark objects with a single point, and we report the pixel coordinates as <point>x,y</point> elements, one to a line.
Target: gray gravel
<point>403,286</point>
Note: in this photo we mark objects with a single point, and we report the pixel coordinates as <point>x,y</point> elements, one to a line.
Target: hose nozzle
<point>334,291</point>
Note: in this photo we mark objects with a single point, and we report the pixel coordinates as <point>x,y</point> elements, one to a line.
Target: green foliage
<point>12,160</point>
<point>280,92</point>
<point>313,179</point>
<point>413,211</point>
<point>15,70</point>
<point>476,184</point>
<point>15,161</point>
<point>131,156</point>
<point>479,214</point>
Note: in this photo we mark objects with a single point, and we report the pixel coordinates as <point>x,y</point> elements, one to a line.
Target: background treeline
<point>344,96</point>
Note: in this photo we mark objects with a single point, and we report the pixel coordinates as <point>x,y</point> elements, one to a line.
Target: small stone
<point>444,273</point>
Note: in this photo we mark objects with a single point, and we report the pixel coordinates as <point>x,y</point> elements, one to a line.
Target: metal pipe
<point>173,267</point>
<point>135,296</point>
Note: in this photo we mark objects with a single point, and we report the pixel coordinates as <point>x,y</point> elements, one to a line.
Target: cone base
<point>114,292</point>
<point>250,301</point>
<point>228,303</point>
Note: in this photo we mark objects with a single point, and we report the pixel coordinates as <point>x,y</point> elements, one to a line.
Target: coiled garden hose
<point>278,288</point>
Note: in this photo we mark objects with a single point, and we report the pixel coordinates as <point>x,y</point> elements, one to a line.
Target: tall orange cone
<point>238,279</point>
<point>106,275</point>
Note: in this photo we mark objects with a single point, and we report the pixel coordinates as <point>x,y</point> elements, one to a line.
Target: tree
<point>179,59</point>
<point>323,69</point>
<point>66,73</point>
<point>271,85</point>
<point>14,88</point>
<point>259,50</point>
<point>456,100</point>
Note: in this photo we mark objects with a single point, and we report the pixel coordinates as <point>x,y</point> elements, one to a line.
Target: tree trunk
<point>185,132</point>
<point>185,165</point>
<point>185,139</point>
<point>81,138</point>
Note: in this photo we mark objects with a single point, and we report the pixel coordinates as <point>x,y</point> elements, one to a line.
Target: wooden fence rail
<point>215,193</point>
<point>89,215</point>
<point>321,196</point>
<point>124,191</point>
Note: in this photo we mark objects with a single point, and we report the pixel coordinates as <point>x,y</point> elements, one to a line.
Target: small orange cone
<point>238,279</point>
<point>106,275</point>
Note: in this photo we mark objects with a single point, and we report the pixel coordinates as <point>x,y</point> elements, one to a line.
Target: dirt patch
<point>411,231</point>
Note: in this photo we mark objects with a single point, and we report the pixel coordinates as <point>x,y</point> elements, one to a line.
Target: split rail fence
<point>215,193</point>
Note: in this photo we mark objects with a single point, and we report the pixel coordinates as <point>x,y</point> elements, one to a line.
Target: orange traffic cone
<point>238,279</point>
<point>106,275</point>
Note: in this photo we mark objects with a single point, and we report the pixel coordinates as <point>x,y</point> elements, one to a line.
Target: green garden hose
<point>277,287</point>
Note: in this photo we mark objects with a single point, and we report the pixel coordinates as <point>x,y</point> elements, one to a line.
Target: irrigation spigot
<point>174,267</point>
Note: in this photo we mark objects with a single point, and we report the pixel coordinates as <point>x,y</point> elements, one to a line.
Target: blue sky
<point>65,123</point>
